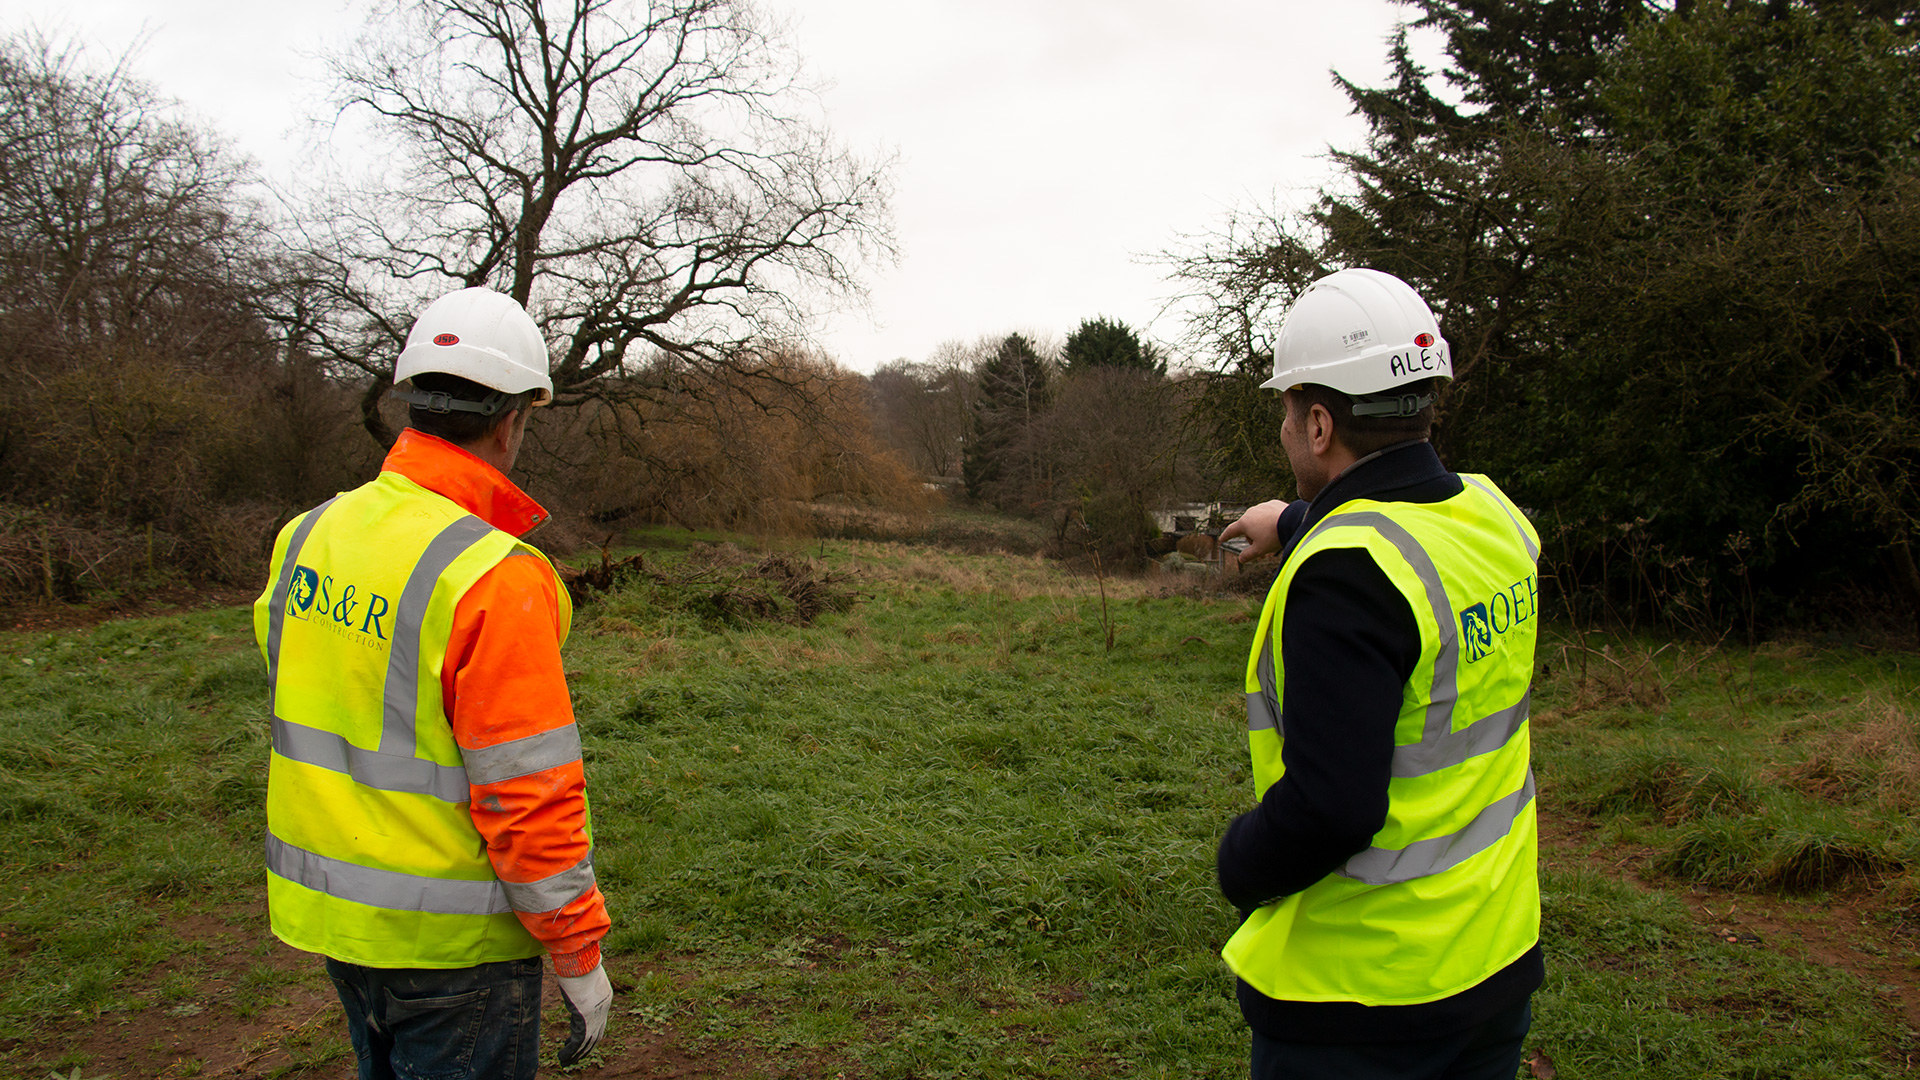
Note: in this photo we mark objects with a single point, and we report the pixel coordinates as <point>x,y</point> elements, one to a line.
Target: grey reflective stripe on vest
<point>1446,663</point>
<point>1263,706</point>
<point>1533,549</point>
<point>1483,736</point>
<point>1386,866</point>
<point>504,761</point>
<point>384,888</point>
<point>553,892</point>
<point>1440,746</point>
<point>400,698</point>
<point>1261,715</point>
<point>394,766</point>
<point>374,768</point>
<point>277,606</point>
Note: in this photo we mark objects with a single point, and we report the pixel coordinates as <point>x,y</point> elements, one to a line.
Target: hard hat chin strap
<point>436,401</point>
<point>1393,404</point>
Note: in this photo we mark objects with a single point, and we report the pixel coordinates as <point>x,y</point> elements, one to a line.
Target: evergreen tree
<point>1104,343</point>
<point>997,464</point>
<point>1664,243</point>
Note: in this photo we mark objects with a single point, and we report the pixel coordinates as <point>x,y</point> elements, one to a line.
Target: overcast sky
<point>1046,148</point>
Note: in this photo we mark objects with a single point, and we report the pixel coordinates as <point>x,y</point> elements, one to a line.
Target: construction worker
<point>1387,873</point>
<point>427,827</point>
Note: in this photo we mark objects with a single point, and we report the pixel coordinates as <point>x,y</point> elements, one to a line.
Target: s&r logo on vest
<point>310,594</point>
<point>1484,622</point>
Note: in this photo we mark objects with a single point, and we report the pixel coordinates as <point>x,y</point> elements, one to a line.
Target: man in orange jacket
<point>427,812</point>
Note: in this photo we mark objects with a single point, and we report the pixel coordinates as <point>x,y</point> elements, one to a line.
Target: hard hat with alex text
<point>480,335</point>
<point>1361,332</point>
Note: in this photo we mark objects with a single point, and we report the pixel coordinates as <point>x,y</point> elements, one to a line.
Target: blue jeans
<point>477,1023</point>
<point>1490,1051</point>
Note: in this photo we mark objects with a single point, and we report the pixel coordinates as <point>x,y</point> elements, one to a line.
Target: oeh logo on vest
<point>1483,623</point>
<point>342,606</point>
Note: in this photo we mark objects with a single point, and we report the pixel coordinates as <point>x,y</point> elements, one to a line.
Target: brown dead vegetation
<point>1866,753</point>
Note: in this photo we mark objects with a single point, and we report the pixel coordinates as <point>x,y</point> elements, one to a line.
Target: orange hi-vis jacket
<point>501,681</point>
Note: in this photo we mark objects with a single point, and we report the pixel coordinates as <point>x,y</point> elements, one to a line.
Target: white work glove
<point>588,998</point>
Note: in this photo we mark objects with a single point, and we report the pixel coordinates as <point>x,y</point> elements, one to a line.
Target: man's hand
<point>1260,525</point>
<point>588,998</point>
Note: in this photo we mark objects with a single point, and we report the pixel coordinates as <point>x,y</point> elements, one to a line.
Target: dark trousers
<point>1490,1051</point>
<point>477,1023</point>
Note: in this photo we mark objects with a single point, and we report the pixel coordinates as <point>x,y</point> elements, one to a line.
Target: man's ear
<point>1320,428</point>
<point>500,435</point>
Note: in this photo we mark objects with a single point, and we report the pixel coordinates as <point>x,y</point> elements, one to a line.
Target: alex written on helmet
<point>482,336</point>
<point>1363,333</point>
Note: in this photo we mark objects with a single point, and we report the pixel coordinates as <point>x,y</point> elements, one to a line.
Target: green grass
<point>130,776</point>
<point>947,834</point>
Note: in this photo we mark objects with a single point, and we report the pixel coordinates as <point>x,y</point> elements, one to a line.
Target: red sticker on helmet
<point>1423,340</point>
<point>445,339</point>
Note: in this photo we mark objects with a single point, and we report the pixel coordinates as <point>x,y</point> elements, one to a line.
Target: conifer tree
<point>1664,241</point>
<point>1013,392</point>
<point>1109,343</point>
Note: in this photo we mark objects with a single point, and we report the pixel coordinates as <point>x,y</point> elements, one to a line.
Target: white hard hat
<point>481,335</point>
<point>1360,332</point>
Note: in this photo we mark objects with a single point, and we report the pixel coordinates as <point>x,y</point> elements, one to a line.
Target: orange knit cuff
<point>575,964</point>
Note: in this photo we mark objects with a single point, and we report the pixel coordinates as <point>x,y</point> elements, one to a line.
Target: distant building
<point>1183,518</point>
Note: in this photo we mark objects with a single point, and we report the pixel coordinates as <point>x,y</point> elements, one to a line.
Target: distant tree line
<point>1670,244</point>
<point>1672,247</point>
<point>1091,437</point>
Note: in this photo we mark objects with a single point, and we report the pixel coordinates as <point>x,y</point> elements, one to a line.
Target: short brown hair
<point>1366,434</point>
<point>460,428</point>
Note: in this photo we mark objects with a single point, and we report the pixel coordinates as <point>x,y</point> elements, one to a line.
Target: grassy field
<point>942,831</point>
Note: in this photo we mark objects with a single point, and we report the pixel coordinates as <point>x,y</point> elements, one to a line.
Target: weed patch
<point>1758,851</point>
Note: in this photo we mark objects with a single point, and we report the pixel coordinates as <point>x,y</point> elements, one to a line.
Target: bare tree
<point>125,257</point>
<point>153,421</point>
<point>643,175</point>
<point>1112,439</point>
<point>120,226</point>
<point>924,409</point>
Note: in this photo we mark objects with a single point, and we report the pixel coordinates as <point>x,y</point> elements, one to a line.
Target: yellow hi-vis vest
<point>1446,895</point>
<point>372,857</point>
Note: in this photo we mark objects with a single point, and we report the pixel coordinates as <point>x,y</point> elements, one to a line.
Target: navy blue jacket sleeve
<point>1294,516</point>
<point>1348,646</point>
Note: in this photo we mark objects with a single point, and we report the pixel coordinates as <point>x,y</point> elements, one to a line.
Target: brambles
<point>721,582</point>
